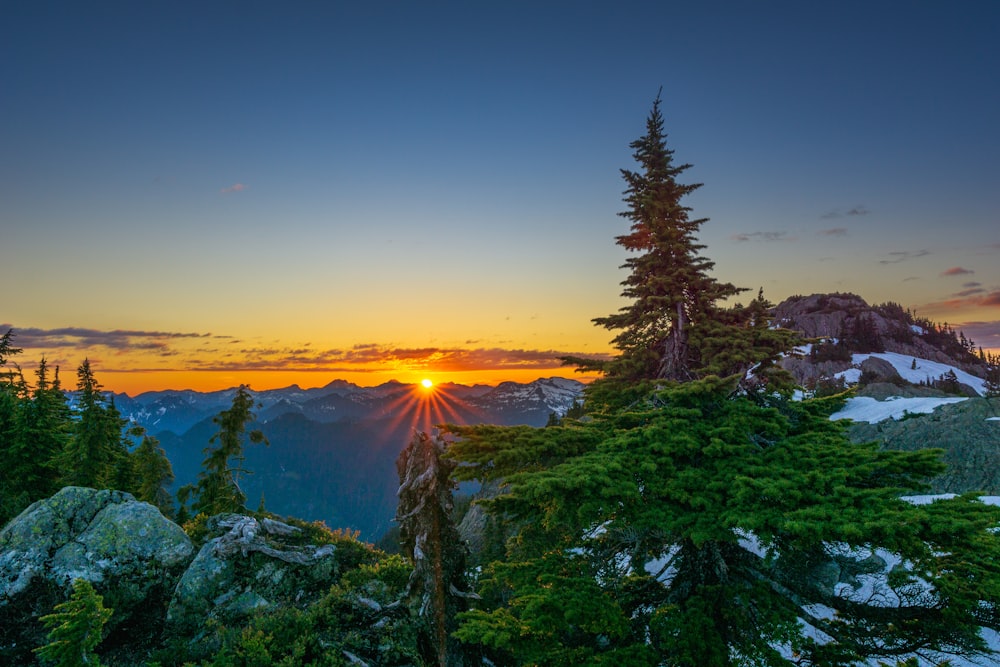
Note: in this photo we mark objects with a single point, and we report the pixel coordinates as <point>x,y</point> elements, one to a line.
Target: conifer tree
<point>218,487</point>
<point>691,519</point>
<point>75,628</point>
<point>669,285</point>
<point>41,433</point>
<point>96,455</point>
<point>154,472</point>
<point>992,375</point>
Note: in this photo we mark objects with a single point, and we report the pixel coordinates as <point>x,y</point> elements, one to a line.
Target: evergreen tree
<point>218,489</point>
<point>674,327</point>
<point>669,283</point>
<point>12,400</point>
<point>690,521</point>
<point>154,472</point>
<point>993,375</point>
<point>42,429</point>
<point>96,455</point>
<point>75,628</point>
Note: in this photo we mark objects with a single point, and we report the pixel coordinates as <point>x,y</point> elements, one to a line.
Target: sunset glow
<point>426,383</point>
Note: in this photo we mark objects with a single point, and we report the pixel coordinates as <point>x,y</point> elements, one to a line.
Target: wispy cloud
<point>860,209</point>
<point>971,285</point>
<point>833,231</point>
<point>762,236</point>
<point>976,298</point>
<point>235,187</point>
<point>898,256</point>
<point>957,271</point>
<point>984,334</point>
<point>79,337</point>
<point>133,351</point>
<point>970,292</point>
<point>372,357</point>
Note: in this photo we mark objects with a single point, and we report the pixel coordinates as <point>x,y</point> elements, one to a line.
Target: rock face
<point>248,565</point>
<point>127,549</point>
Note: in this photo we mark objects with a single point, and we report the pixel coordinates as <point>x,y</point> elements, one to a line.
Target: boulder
<point>248,565</point>
<point>127,549</point>
<point>874,369</point>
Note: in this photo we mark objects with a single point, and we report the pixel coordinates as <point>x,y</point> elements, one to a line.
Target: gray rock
<point>130,552</point>
<point>248,565</point>
<point>880,370</point>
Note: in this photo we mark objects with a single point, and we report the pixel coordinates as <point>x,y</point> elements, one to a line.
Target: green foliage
<point>154,472</point>
<point>75,628</point>
<point>217,489</point>
<point>679,486</point>
<point>42,429</point>
<point>690,519</point>
<point>96,456</point>
<point>360,616</point>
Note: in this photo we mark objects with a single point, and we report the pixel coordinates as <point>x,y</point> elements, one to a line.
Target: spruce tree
<point>75,628</point>
<point>218,487</point>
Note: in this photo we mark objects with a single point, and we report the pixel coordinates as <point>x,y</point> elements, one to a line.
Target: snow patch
<point>867,409</point>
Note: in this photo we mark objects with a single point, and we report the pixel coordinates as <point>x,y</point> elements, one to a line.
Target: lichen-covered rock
<point>130,552</point>
<point>248,565</point>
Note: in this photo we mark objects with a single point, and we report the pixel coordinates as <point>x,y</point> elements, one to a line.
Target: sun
<point>427,383</point>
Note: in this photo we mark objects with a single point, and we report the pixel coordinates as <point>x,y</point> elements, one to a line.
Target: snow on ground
<point>850,376</point>
<point>925,369</point>
<point>867,409</point>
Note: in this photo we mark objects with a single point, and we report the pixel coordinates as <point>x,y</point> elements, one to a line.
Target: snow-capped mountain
<point>508,403</point>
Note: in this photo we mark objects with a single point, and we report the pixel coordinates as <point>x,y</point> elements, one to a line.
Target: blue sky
<point>311,184</point>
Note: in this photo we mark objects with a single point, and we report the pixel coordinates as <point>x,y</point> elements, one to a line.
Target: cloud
<point>898,256</point>
<point>971,284</point>
<point>860,209</point>
<point>235,187</point>
<point>80,337</point>
<point>762,236</point>
<point>374,357</point>
<point>975,299</point>
<point>957,271</point>
<point>984,334</point>
<point>833,231</point>
<point>970,292</point>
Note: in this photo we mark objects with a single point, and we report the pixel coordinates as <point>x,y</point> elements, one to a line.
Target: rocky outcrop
<point>860,328</point>
<point>248,565</point>
<point>127,549</point>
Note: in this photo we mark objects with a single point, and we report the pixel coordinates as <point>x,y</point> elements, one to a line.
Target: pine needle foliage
<point>218,489</point>
<point>75,628</point>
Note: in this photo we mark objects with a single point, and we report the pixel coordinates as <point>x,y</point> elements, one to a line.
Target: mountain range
<point>332,449</point>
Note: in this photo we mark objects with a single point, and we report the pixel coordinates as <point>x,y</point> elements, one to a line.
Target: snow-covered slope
<point>924,370</point>
<point>867,409</point>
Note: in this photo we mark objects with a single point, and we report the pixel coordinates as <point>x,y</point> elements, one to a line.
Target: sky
<point>198,195</point>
